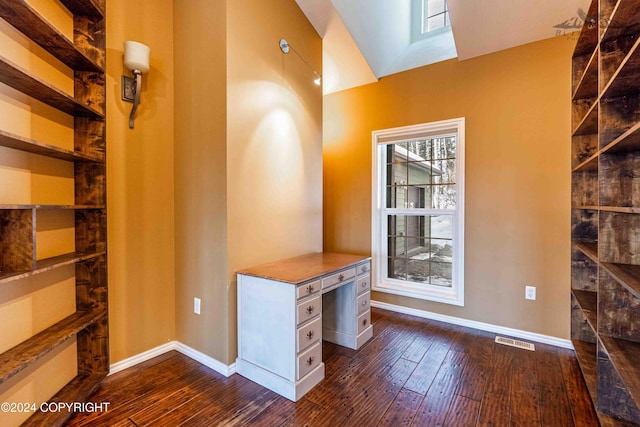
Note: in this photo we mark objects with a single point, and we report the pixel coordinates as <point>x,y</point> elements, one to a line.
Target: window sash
<point>385,253</point>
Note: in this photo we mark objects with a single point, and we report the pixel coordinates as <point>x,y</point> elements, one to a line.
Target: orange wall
<point>516,104</point>
<point>200,175</point>
<point>248,163</point>
<point>274,139</point>
<point>140,189</point>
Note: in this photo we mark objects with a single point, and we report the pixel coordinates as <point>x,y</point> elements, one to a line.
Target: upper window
<point>418,215</point>
<point>429,16</point>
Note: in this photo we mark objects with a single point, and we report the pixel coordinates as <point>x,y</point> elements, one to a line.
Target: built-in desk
<point>285,310</point>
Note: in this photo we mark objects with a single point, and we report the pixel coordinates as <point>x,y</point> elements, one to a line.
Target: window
<point>418,212</point>
<point>435,15</point>
<point>429,16</point>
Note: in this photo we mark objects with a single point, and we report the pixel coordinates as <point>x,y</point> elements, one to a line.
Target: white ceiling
<point>364,40</point>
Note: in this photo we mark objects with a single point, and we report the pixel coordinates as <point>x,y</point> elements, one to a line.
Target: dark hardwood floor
<point>415,372</point>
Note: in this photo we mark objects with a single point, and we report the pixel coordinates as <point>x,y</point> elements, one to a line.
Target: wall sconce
<point>285,47</point>
<point>136,59</point>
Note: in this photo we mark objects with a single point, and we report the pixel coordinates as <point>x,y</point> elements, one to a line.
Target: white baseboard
<point>517,333</point>
<point>141,357</point>
<point>228,370</point>
<point>210,362</point>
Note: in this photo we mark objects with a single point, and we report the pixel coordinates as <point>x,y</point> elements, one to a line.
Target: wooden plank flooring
<point>415,372</point>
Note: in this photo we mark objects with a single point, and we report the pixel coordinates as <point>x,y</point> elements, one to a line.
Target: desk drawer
<point>309,334</point>
<point>363,321</point>
<point>340,277</point>
<point>307,289</point>
<point>308,360</point>
<point>309,309</point>
<point>363,268</point>
<point>363,302</point>
<point>363,284</point>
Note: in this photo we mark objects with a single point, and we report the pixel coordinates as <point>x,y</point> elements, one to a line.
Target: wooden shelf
<point>628,141</point>
<point>589,249</point>
<point>588,39</point>
<point>53,207</point>
<point>586,354</point>
<point>589,123</point>
<point>587,86</point>
<point>19,79</point>
<point>624,356</point>
<point>587,360</point>
<point>23,17</point>
<point>25,354</point>
<point>16,142</point>
<point>591,164</point>
<point>624,20</point>
<point>77,390</point>
<point>625,274</point>
<point>589,303</point>
<point>88,8</point>
<point>620,209</point>
<point>625,80</point>
<point>48,264</point>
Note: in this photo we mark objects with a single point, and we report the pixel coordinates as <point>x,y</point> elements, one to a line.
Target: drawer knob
<point>310,289</point>
<point>364,302</point>
<point>310,309</point>
<point>364,322</point>
<point>365,268</point>
<point>341,277</point>
<point>310,360</point>
<point>309,335</point>
<point>364,284</point>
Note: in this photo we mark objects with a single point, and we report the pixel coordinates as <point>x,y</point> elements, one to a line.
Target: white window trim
<point>455,294</point>
<point>417,23</point>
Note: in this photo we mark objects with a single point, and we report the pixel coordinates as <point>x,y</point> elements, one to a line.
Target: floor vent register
<point>516,343</point>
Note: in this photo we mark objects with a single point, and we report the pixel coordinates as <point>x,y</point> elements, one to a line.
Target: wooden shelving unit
<point>28,21</point>
<point>19,79</point>
<point>16,142</point>
<point>75,391</point>
<point>588,302</point>
<point>586,354</point>
<point>48,264</point>
<point>85,55</point>
<point>605,219</point>
<point>24,354</point>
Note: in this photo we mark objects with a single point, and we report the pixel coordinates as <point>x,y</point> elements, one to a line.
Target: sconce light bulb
<point>317,81</point>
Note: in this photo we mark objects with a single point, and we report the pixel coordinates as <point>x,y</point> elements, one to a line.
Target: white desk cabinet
<point>286,309</point>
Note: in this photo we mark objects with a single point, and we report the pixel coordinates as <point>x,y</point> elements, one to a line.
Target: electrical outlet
<point>530,292</point>
<point>196,305</point>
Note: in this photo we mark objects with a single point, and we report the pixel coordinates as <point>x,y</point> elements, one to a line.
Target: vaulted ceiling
<point>364,40</point>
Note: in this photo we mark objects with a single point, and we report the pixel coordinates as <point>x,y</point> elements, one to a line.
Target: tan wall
<point>200,175</point>
<point>516,104</point>
<point>140,190</point>
<point>274,139</point>
<point>249,165</point>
